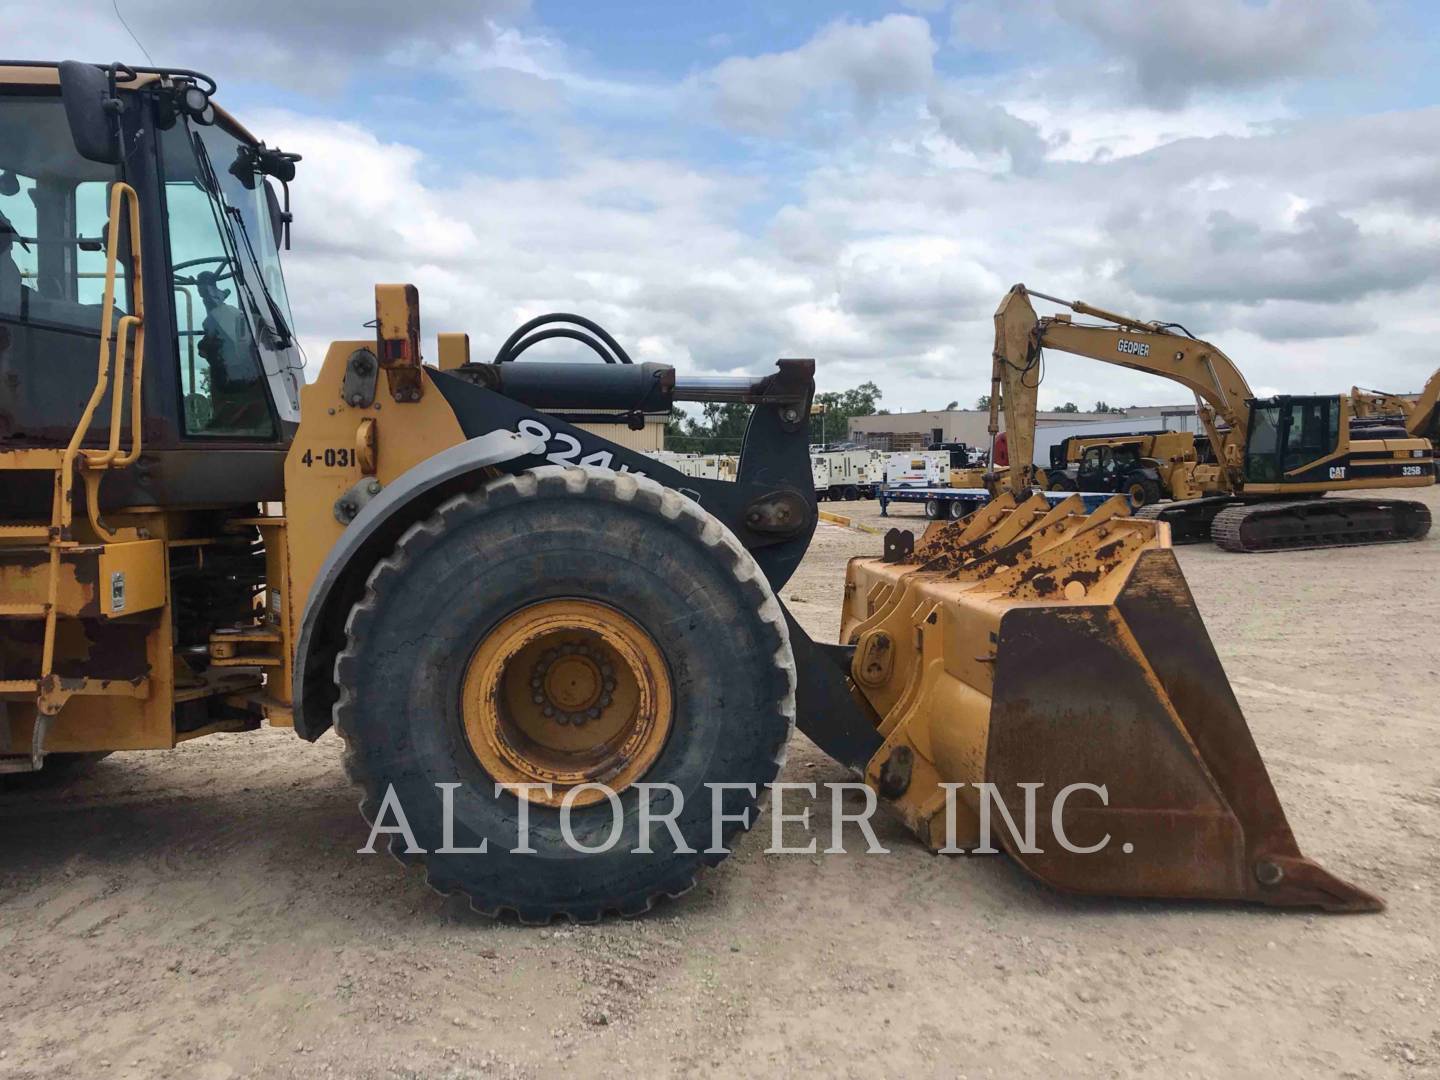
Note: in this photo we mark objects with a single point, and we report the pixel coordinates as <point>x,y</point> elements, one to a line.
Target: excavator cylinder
<point>1034,661</point>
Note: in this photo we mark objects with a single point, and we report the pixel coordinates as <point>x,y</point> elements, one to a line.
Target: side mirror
<point>90,107</point>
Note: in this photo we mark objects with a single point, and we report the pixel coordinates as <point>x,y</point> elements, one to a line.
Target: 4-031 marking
<point>332,457</point>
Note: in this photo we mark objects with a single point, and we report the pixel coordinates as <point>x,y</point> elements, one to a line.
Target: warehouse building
<point>916,430</point>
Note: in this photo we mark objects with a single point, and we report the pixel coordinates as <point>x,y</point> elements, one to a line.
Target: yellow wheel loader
<point>565,665</point>
<point>1274,457</point>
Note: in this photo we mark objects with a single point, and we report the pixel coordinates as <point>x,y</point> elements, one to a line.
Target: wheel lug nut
<point>539,699</point>
<point>592,712</point>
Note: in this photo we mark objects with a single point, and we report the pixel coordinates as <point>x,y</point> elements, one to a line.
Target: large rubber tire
<point>1142,491</point>
<point>935,510</point>
<point>625,541</point>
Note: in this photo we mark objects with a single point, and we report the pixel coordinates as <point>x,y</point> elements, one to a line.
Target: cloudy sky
<point>724,183</point>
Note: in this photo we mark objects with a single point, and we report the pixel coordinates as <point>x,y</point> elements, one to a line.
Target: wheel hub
<point>573,684</point>
<point>567,692</point>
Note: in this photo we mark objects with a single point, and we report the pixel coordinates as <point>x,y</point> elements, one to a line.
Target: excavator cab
<point>1291,438</point>
<point>1310,444</point>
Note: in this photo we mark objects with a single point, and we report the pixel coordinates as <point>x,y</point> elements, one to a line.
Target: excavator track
<point>1319,523</point>
<point>1189,519</point>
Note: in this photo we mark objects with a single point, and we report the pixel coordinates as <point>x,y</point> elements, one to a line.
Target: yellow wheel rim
<point>567,692</point>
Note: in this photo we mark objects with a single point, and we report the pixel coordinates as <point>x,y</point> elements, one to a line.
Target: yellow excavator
<point>562,670</point>
<point>1419,414</point>
<point>1274,457</point>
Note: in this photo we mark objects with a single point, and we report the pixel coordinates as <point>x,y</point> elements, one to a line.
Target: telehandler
<point>500,610</point>
<point>1145,466</point>
<point>1274,457</point>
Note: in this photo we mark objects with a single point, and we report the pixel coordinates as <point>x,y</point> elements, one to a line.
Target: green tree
<point>1106,407</point>
<point>720,427</point>
<point>1069,406</point>
<point>952,405</point>
<point>834,424</point>
<point>983,401</point>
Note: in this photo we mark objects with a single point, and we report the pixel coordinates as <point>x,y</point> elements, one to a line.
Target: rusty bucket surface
<point>1033,648</point>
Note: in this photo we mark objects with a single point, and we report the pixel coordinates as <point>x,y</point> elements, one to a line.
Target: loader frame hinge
<point>348,505</point>
<point>895,774</point>
<point>362,370</point>
<point>899,545</point>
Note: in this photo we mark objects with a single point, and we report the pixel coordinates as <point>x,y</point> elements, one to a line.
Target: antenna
<point>116,5</point>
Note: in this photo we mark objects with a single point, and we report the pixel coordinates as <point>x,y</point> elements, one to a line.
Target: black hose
<point>558,332</point>
<point>514,346</point>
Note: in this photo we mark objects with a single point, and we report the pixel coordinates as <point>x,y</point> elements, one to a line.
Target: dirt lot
<point>202,912</point>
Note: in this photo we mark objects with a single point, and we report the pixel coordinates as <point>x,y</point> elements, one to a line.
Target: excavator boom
<point>1153,348</point>
<point>1267,449</point>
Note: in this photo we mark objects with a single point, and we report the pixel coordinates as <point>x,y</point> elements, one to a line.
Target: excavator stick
<point>1050,666</point>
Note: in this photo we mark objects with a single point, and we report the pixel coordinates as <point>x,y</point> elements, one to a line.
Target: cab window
<point>1263,444</point>
<point>54,221</point>
<point>54,210</point>
<point>1312,431</point>
<point>219,326</point>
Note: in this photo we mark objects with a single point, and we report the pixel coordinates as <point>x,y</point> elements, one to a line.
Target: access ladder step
<point>25,532</point>
<point>78,687</point>
<point>23,611</point>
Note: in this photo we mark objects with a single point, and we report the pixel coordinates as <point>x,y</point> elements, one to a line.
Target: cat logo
<point>1337,472</point>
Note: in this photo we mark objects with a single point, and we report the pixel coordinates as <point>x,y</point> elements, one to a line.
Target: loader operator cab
<point>222,366</point>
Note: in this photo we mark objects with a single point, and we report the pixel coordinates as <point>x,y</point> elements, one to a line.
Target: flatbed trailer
<point>943,503</point>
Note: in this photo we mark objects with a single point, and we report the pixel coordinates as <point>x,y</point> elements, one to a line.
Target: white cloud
<point>313,45</point>
<point>971,122</point>
<point>864,62</point>
<point>1181,46</point>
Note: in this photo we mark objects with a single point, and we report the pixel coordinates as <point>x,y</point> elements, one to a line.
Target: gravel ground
<point>201,912</point>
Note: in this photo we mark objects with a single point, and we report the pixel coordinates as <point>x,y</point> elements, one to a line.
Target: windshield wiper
<point>276,323</point>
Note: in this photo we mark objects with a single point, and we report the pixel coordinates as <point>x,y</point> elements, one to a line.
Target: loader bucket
<point>1031,647</point>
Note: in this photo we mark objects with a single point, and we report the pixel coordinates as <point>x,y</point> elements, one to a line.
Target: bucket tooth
<point>1039,646</point>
